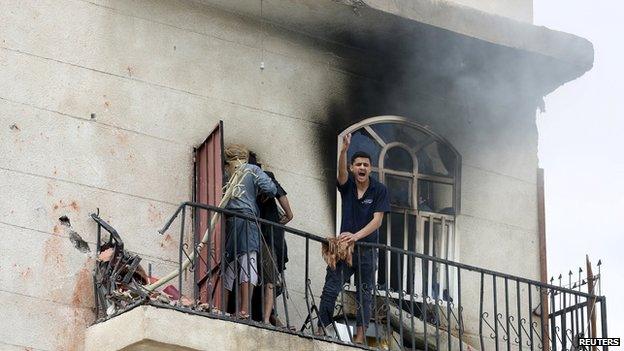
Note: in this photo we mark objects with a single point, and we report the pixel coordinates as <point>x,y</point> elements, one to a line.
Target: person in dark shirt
<point>364,202</point>
<point>275,255</point>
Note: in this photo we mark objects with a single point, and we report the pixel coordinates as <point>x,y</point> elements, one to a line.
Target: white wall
<point>158,75</point>
<point>521,10</point>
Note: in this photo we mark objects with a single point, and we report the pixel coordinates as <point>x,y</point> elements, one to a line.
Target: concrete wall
<point>157,75</point>
<point>521,10</point>
<point>158,329</point>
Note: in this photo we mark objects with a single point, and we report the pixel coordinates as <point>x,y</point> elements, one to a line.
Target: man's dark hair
<point>361,154</point>
<point>253,159</point>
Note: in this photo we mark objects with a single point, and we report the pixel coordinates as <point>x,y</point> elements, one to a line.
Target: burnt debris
<point>75,238</point>
<point>120,279</point>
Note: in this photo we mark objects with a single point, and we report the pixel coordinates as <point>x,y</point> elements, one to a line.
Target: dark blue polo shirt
<point>357,213</point>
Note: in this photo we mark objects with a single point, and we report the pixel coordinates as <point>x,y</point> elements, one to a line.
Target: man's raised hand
<point>346,141</point>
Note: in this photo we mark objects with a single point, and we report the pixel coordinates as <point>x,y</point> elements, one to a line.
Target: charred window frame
<point>422,172</point>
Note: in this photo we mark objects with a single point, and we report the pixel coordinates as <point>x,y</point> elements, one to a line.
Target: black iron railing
<point>466,308</point>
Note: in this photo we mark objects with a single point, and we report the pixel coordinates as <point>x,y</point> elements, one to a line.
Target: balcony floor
<point>150,328</point>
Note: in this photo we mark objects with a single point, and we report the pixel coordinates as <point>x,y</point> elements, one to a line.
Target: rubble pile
<point>120,280</point>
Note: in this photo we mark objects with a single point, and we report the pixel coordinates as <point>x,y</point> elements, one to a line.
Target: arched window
<point>421,171</point>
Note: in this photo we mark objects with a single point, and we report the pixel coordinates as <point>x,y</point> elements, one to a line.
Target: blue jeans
<point>364,267</point>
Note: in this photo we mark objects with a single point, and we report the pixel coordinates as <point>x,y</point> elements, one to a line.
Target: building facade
<point>102,103</point>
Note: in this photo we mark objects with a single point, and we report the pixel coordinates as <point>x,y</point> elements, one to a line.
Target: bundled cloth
<point>334,250</point>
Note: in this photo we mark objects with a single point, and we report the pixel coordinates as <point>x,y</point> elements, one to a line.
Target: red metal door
<point>208,190</point>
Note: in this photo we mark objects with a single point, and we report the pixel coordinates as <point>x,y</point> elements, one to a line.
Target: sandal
<point>210,309</point>
<point>215,310</point>
<point>243,315</point>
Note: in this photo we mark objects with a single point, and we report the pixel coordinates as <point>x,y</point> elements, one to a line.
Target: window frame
<point>422,216</point>
<point>385,147</point>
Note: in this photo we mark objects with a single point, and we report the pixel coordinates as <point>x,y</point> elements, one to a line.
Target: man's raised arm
<point>343,172</point>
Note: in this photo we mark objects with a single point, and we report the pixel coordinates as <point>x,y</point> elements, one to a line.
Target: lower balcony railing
<point>241,277</point>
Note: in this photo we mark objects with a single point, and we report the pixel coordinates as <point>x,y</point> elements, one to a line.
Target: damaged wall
<point>101,103</point>
<point>87,125</point>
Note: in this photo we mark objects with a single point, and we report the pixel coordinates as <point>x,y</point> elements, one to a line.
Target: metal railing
<point>486,310</point>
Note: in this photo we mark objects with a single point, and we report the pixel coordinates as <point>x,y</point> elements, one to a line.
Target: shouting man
<point>364,202</point>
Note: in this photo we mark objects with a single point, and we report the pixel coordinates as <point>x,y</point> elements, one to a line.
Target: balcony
<point>431,303</point>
